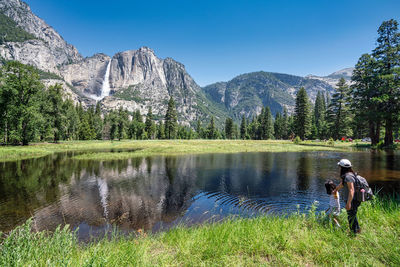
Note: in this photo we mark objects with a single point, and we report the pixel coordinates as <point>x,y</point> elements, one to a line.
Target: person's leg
<point>336,222</point>
<point>352,217</point>
<point>335,216</point>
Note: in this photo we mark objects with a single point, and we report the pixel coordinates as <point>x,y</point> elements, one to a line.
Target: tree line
<point>29,112</point>
<point>367,107</point>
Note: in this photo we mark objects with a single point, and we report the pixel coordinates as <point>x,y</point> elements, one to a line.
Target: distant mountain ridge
<point>246,94</point>
<point>138,79</point>
<point>333,78</point>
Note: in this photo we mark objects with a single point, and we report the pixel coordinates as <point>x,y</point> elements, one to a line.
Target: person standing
<point>347,176</point>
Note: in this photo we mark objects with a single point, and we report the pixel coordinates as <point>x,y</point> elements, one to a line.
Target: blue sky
<point>217,40</point>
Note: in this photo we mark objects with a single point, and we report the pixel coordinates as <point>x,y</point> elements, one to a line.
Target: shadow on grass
<point>320,145</point>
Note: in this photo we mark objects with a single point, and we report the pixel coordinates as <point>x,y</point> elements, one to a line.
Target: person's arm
<point>340,186</point>
<point>337,200</point>
<point>351,195</point>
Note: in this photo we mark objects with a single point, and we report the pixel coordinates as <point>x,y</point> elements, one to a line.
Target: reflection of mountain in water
<point>159,192</point>
<point>143,193</point>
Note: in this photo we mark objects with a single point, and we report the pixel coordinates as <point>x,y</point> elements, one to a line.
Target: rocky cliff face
<point>139,79</point>
<point>87,75</point>
<point>333,78</point>
<point>47,52</point>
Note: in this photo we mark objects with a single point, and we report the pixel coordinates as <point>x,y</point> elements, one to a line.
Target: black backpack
<point>362,191</point>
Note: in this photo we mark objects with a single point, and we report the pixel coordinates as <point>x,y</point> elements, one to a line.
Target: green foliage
<point>266,124</point>
<point>297,140</point>
<point>212,132</point>
<point>376,87</point>
<point>47,75</point>
<point>297,239</point>
<point>387,56</point>
<point>331,142</point>
<point>150,125</point>
<point>55,112</point>
<point>319,117</point>
<point>11,32</point>
<point>229,132</point>
<point>243,129</point>
<point>339,113</point>
<point>171,124</point>
<point>20,95</point>
<point>302,118</point>
<point>131,93</point>
<point>160,130</point>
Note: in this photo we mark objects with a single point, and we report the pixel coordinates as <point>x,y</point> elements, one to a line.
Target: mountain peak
<point>47,52</point>
<point>343,73</point>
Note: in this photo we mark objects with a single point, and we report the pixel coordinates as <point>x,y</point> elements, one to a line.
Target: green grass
<point>297,240</point>
<point>91,149</point>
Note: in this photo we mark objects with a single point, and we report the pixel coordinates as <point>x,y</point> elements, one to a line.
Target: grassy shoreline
<point>92,149</point>
<point>297,240</point>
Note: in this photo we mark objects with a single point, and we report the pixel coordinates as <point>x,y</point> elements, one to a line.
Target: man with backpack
<point>357,192</point>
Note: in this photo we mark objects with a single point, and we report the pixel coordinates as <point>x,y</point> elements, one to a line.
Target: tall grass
<point>134,148</point>
<point>298,239</point>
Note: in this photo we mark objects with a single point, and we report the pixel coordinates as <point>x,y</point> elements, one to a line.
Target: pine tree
<point>171,124</point>
<point>366,100</point>
<point>113,117</point>
<point>387,55</point>
<point>56,115</point>
<point>72,120</point>
<point>253,129</point>
<point>319,116</point>
<point>285,124</point>
<point>243,128</point>
<point>211,130</point>
<point>199,130</point>
<point>150,125</point>
<point>20,96</point>
<point>123,120</point>
<point>160,130</point>
<point>268,127</point>
<point>278,126</point>
<point>229,128</point>
<point>98,122</point>
<point>302,119</point>
<point>339,114</point>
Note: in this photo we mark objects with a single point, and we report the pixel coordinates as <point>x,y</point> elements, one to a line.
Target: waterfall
<point>105,89</point>
<point>103,192</point>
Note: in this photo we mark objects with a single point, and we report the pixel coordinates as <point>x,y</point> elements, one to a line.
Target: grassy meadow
<point>296,240</point>
<point>99,150</point>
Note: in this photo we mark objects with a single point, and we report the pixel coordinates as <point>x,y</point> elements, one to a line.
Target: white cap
<point>345,163</point>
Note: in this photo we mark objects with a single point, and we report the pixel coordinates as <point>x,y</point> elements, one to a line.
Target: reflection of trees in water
<point>138,197</point>
<point>303,172</point>
<point>26,185</point>
<point>137,193</point>
<point>246,174</point>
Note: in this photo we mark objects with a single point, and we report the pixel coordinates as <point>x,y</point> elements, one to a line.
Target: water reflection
<point>156,193</point>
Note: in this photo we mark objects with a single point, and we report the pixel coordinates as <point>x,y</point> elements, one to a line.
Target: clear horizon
<point>219,40</point>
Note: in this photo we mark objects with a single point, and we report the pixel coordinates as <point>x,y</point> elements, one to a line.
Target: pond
<point>157,193</point>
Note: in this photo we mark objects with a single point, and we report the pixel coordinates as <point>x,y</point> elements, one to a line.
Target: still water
<point>157,193</point>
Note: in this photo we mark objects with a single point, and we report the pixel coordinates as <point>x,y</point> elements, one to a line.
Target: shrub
<point>331,142</point>
<point>297,140</point>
